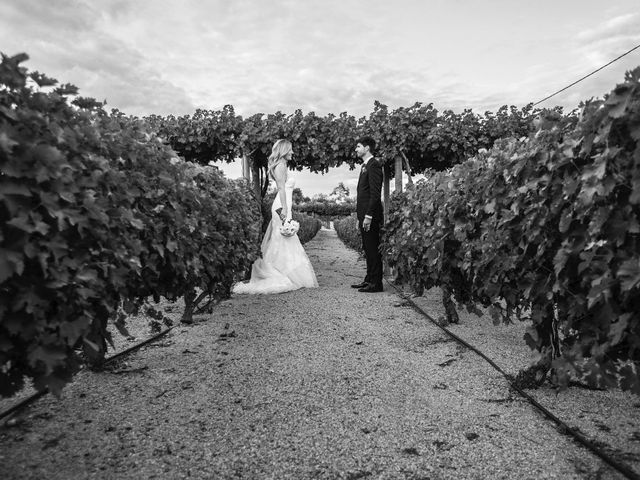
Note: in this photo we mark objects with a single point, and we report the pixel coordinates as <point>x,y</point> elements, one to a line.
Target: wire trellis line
<point>587,76</point>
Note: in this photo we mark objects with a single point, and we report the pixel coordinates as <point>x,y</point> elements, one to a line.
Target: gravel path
<point>321,383</point>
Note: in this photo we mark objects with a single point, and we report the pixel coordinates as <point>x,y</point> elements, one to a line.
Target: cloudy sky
<point>328,56</point>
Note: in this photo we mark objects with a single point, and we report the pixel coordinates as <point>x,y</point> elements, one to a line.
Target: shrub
<point>309,226</point>
<point>328,208</point>
<point>544,228</point>
<point>95,213</point>
<point>349,232</point>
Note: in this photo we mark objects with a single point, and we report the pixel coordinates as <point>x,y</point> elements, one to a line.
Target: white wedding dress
<point>284,265</point>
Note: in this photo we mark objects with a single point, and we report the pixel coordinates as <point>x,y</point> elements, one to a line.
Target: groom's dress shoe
<point>370,288</point>
<point>360,285</point>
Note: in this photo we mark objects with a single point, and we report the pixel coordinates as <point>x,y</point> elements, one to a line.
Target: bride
<point>284,265</point>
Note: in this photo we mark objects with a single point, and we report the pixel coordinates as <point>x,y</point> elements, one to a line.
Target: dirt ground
<point>319,383</point>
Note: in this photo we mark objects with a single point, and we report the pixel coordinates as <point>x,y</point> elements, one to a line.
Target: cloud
<point>593,48</point>
<point>46,17</point>
<point>621,26</point>
<point>72,47</point>
<point>158,57</point>
<point>167,57</point>
<point>586,50</point>
<point>606,41</point>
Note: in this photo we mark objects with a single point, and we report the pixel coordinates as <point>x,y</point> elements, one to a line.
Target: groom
<point>369,212</point>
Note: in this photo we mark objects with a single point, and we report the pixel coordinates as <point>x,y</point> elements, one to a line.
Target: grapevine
<point>544,228</point>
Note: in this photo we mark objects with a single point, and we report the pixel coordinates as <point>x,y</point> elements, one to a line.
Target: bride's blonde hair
<point>279,151</point>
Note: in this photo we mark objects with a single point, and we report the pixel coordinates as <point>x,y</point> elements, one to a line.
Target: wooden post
<point>246,168</point>
<point>398,173</point>
<point>385,189</point>
<point>257,186</point>
<point>407,167</point>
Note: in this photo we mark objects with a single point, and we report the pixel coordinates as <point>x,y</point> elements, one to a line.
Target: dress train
<point>284,265</point>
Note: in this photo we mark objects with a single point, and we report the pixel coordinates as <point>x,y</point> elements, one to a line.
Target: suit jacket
<point>369,191</point>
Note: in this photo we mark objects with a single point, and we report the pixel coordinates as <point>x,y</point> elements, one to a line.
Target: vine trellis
<point>410,139</point>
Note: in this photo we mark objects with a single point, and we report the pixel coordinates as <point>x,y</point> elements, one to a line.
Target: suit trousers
<point>373,257</point>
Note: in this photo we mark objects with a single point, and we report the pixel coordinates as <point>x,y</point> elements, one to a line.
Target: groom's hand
<point>366,224</point>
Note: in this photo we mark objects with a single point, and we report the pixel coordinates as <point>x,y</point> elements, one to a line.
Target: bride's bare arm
<point>280,176</point>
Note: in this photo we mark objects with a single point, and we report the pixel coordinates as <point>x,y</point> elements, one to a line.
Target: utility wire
<point>586,76</point>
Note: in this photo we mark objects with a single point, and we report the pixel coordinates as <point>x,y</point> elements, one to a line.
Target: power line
<point>586,76</point>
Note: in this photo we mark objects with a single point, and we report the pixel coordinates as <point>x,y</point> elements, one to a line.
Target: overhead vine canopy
<point>423,136</point>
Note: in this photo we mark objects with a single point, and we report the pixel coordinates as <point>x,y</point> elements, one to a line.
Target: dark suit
<point>369,203</point>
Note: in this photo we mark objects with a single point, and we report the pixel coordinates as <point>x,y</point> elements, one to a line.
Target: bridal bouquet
<point>289,228</point>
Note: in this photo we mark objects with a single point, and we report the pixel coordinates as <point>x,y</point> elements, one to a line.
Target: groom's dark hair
<point>367,141</point>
